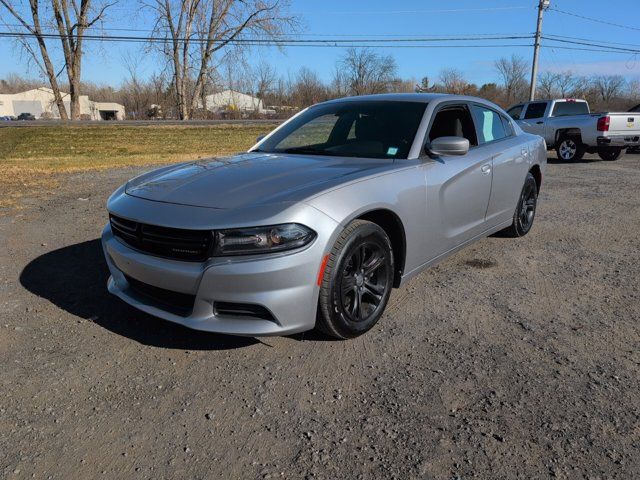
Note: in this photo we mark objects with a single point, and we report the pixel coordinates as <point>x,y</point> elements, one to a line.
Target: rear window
<point>535,110</point>
<point>562,109</point>
<point>488,124</point>
<point>515,112</point>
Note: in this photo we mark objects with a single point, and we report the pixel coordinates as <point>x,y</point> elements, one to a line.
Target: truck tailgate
<point>624,124</point>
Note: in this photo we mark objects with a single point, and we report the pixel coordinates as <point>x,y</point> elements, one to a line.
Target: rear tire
<point>525,211</point>
<point>357,281</point>
<point>570,149</point>
<point>610,154</point>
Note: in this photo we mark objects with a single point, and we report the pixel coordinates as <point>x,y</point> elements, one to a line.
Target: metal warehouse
<point>40,103</point>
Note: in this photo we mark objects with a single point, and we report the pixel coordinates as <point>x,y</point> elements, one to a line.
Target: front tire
<point>570,149</point>
<point>357,281</point>
<point>610,153</point>
<point>526,210</point>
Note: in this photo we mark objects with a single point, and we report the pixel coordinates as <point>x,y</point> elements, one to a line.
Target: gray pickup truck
<point>568,126</point>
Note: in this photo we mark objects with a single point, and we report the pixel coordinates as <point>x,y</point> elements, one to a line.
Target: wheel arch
<point>536,171</point>
<point>571,132</point>
<point>391,223</point>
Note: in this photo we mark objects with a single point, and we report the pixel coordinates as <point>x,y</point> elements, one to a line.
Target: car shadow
<point>556,161</point>
<point>74,278</point>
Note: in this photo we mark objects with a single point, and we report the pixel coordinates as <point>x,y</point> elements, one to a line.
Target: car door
<point>533,119</point>
<point>458,187</point>
<point>509,160</point>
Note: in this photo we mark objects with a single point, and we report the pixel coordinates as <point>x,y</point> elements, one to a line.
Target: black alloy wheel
<point>357,281</point>
<point>525,210</point>
<point>363,281</point>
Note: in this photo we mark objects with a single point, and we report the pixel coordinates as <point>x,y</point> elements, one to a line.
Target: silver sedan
<point>316,223</point>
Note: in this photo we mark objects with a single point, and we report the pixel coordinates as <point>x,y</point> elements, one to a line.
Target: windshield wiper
<point>311,150</point>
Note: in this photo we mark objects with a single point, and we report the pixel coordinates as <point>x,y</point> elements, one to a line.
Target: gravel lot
<point>512,359</point>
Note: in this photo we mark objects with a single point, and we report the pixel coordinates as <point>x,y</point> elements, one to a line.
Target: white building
<point>232,100</point>
<point>40,103</point>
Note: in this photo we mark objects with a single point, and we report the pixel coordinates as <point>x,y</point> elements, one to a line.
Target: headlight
<point>275,238</point>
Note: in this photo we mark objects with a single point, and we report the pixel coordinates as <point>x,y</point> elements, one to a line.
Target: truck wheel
<point>570,149</point>
<point>610,153</point>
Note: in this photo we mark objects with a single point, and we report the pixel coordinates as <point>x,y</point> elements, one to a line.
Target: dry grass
<point>32,157</point>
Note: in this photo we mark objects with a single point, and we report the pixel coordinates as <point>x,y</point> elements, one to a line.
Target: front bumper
<point>284,284</point>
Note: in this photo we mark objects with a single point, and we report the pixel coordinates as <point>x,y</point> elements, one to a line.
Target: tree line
<point>202,44</point>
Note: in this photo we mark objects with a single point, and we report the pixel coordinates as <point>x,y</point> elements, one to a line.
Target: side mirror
<point>457,146</point>
<point>260,137</point>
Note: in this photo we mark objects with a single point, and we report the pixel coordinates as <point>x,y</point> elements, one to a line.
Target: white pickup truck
<point>568,126</point>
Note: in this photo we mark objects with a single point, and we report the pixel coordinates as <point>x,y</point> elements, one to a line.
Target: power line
<point>593,44</point>
<point>413,12</point>
<point>274,42</point>
<point>593,40</point>
<point>578,44</point>
<point>596,20</point>
<point>578,49</point>
<point>284,35</point>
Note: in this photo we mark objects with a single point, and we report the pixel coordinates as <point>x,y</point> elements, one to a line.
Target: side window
<point>508,126</point>
<point>515,112</point>
<point>488,124</point>
<point>454,121</point>
<point>535,110</point>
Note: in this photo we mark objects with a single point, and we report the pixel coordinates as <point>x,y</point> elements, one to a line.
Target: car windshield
<point>369,129</point>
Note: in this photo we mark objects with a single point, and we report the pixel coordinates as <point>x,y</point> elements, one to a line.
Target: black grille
<point>174,302</point>
<point>242,310</point>
<point>175,243</point>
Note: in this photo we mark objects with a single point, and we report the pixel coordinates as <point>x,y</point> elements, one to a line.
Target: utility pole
<point>542,6</point>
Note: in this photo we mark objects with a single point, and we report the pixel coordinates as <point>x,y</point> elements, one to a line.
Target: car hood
<point>250,179</point>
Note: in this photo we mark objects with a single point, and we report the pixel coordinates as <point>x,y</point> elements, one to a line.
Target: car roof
<point>401,97</point>
<point>414,97</point>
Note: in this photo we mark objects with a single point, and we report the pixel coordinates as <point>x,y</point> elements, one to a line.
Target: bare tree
<point>134,93</point>
<point>547,82</point>
<point>490,91</point>
<point>400,85</point>
<point>192,31</point>
<point>513,73</point>
<point>633,91</point>
<point>308,88</point>
<point>71,21</point>
<point>452,81</point>
<point>367,72</point>
<point>566,82</point>
<point>265,77</point>
<point>608,87</point>
<point>15,83</point>
<point>340,83</point>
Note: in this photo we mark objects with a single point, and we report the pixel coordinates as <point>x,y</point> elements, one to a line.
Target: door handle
<point>486,169</point>
<point>540,122</point>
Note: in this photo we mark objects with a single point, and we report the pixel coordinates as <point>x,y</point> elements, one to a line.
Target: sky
<point>104,63</point>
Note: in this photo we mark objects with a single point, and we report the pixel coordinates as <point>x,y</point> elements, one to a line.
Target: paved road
<point>512,359</point>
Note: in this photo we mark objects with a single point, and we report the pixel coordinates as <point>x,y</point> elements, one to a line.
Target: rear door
<point>533,119</point>
<point>509,159</point>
